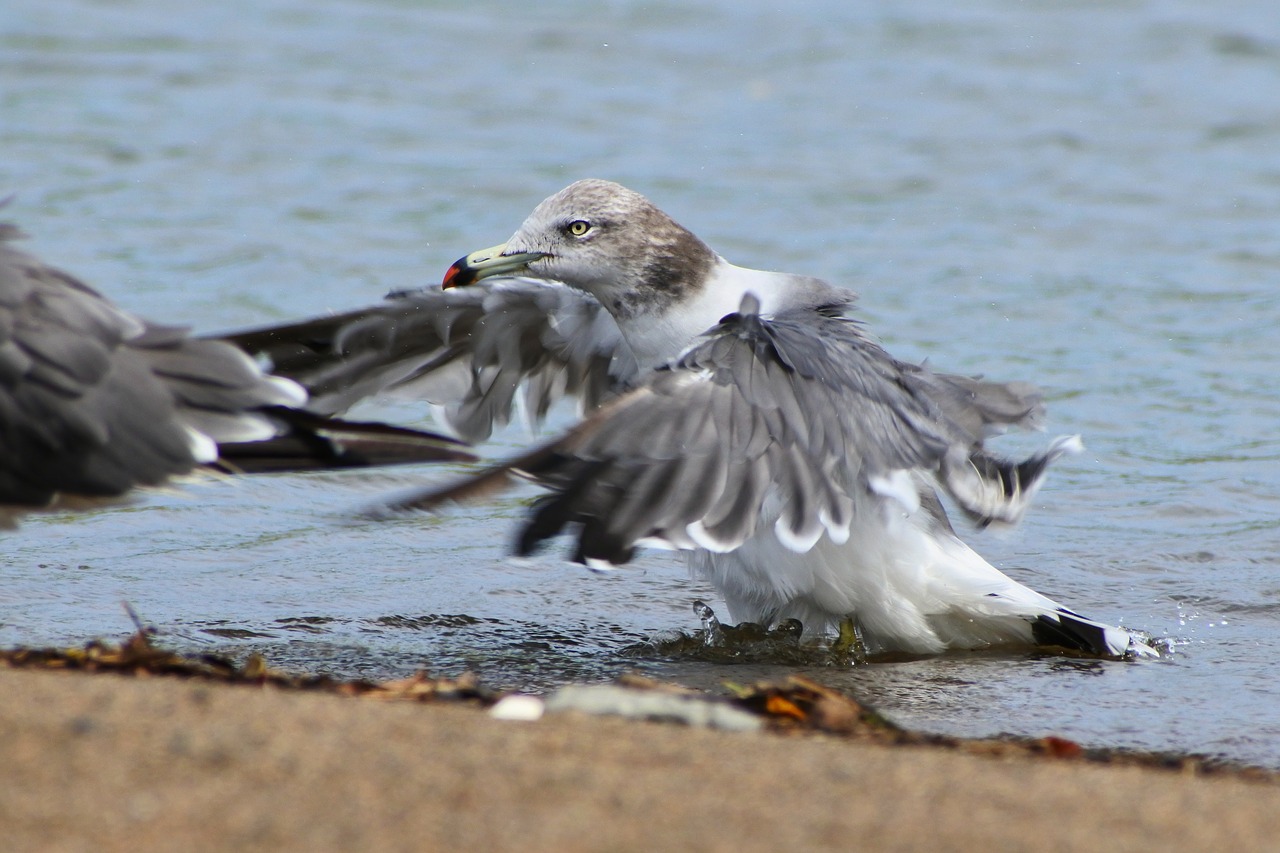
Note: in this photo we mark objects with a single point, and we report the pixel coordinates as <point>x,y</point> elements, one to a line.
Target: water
<point>1084,195</point>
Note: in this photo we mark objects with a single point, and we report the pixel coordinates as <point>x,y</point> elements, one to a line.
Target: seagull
<point>95,401</point>
<point>742,417</point>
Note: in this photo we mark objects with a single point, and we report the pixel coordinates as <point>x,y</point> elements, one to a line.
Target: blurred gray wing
<point>803,409</point>
<point>94,401</point>
<point>476,350</point>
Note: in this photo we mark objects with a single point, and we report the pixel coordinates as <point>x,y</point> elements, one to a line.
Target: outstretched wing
<point>470,349</point>
<point>94,401</point>
<point>798,413</point>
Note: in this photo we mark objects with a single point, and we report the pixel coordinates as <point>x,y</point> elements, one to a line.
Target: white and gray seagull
<point>740,416</point>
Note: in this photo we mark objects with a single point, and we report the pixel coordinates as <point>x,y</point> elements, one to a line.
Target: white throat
<point>658,337</point>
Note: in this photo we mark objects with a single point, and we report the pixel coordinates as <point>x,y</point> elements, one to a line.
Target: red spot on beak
<point>454,276</point>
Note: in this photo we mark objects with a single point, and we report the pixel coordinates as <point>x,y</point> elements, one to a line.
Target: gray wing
<point>471,349</point>
<point>95,401</point>
<point>803,406</point>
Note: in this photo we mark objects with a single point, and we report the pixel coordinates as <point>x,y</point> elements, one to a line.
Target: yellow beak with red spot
<point>486,263</point>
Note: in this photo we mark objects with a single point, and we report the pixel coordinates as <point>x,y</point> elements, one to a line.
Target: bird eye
<point>578,227</point>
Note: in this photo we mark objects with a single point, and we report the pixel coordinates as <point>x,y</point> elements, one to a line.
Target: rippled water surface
<point>1085,195</point>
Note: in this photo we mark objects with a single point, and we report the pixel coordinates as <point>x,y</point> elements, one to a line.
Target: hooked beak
<point>485,263</point>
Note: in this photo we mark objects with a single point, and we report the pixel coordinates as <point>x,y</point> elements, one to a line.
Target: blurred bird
<point>95,401</point>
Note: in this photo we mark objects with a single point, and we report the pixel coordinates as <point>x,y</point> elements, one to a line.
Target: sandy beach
<point>107,762</point>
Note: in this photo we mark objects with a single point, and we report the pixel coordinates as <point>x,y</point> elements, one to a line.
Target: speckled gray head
<point>603,238</point>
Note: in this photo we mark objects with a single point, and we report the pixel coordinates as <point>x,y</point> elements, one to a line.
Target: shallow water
<point>1083,195</point>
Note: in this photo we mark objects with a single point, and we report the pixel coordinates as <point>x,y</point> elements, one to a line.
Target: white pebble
<point>517,707</point>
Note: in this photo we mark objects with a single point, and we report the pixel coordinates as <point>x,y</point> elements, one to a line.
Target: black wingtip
<point>598,546</point>
<point>316,443</point>
<point>552,514</point>
<point>993,490</point>
<point>544,522</point>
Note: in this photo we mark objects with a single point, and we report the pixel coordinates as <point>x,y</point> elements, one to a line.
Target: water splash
<point>746,642</point>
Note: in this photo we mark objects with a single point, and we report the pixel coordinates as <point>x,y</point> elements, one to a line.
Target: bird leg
<point>848,642</point>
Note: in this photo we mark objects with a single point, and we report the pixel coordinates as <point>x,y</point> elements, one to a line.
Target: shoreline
<point>152,762</point>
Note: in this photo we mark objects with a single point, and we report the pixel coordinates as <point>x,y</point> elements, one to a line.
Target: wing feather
<point>801,412</point>
<point>512,336</point>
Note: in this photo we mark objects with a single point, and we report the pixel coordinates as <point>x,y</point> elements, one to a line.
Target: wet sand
<point>105,762</point>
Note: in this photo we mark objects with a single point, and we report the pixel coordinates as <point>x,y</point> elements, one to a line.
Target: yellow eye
<point>578,227</point>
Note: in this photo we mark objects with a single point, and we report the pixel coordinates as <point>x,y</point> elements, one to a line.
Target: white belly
<point>907,583</point>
